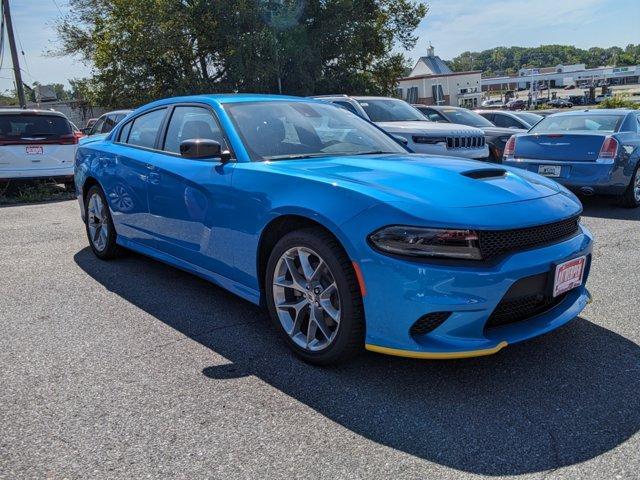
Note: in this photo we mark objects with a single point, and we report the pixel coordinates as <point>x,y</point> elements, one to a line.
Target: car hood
<point>426,128</point>
<point>424,180</point>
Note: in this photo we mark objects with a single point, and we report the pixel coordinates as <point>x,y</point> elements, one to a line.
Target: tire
<point>101,240</point>
<point>312,294</point>
<point>631,197</point>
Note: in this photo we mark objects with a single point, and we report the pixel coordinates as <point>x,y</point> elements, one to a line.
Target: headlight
<point>427,242</point>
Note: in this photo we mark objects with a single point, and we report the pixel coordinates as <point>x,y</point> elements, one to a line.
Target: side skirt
<point>234,287</point>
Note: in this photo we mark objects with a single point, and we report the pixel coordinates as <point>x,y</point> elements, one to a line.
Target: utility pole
<point>14,54</point>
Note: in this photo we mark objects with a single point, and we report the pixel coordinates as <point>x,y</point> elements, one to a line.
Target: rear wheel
<point>99,224</point>
<point>313,297</point>
<point>631,197</point>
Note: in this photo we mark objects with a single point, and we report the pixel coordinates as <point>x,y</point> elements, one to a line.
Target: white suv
<point>421,135</point>
<point>36,144</point>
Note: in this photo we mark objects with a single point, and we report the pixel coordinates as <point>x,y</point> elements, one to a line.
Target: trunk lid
<point>568,147</point>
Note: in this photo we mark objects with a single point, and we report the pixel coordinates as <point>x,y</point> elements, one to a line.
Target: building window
<point>412,95</point>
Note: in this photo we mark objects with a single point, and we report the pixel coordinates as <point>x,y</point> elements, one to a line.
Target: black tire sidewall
<point>628,198</point>
<point>350,299</point>
<point>111,247</point>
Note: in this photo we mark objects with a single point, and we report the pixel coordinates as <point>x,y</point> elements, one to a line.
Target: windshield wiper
<point>296,156</point>
<point>375,152</point>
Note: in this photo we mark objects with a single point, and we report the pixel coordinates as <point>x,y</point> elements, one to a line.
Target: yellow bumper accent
<point>435,355</point>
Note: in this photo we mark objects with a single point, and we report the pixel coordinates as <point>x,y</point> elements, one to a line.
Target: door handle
<point>154,178</point>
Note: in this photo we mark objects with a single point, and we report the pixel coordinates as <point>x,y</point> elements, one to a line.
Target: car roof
<point>228,98</point>
<point>596,111</point>
<point>33,111</point>
<point>125,111</point>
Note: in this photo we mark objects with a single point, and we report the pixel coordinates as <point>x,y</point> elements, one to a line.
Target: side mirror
<point>400,139</point>
<point>203,149</point>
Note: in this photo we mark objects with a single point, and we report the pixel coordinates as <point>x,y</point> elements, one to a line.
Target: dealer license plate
<point>37,150</point>
<point>568,275</point>
<point>550,170</point>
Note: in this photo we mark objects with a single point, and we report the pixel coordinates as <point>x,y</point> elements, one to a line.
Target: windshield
<point>465,117</point>
<point>33,127</point>
<point>391,110</point>
<point>530,118</point>
<point>289,129</point>
<point>579,123</point>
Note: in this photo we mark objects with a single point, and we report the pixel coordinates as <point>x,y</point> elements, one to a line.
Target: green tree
<point>146,49</point>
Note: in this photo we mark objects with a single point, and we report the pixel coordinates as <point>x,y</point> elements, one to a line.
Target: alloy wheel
<point>306,299</point>
<point>97,222</point>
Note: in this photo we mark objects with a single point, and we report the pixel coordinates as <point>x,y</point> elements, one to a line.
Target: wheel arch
<point>284,224</point>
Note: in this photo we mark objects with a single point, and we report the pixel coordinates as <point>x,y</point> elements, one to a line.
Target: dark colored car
<point>560,103</point>
<point>516,105</point>
<point>514,120</point>
<point>495,137</point>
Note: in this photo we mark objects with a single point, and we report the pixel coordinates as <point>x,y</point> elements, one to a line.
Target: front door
<point>190,200</point>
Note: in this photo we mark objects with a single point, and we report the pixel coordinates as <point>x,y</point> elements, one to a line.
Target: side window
<point>97,127</point>
<point>348,106</point>
<point>434,116</point>
<point>189,123</point>
<point>124,133</point>
<point>489,116</point>
<point>109,123</point>
<point>144,129</point>
<point>506,121</point>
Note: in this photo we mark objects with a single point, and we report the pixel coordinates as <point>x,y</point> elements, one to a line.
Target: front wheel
<point>631,197</point>
<point>99,224</point>
<point>313,297</point>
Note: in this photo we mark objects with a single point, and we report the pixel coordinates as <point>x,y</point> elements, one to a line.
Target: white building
<point>565,75</point>
<point>432,82</point>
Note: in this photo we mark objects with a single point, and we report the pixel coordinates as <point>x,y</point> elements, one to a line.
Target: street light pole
<point>14,54</point>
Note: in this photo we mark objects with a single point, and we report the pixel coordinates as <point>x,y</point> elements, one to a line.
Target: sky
<point>452,26</point>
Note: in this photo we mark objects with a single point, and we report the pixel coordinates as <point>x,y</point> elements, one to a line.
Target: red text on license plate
<point>34,150</point>
<point>568,275</point>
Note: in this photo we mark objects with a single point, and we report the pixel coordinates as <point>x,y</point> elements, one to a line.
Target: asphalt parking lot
<point>133,369</point>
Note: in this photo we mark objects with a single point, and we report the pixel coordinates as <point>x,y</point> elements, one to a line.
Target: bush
<point>619,101</point>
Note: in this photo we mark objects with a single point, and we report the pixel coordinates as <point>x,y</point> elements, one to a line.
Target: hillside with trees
<point>508,60</point>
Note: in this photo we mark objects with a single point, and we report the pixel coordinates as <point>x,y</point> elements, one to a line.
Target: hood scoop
<point>482,173</point>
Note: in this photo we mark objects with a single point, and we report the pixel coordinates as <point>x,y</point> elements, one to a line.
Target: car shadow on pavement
<point>607,207</point>
<point>554,401</point>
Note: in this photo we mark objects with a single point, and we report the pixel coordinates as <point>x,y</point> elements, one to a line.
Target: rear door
<point>36,144</point>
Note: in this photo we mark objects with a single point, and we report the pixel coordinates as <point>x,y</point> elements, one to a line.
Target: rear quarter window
<point>145,128</point>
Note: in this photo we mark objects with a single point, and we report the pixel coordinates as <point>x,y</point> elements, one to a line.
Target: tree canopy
<point>142,50</point>
<point>508,60</point>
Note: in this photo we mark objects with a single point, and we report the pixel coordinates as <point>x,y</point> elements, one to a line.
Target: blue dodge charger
<point>591,151</point>
<point>349,240</point>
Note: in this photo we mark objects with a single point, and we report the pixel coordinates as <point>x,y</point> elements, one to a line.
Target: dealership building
<point>432,82</point>
<point>564,75</point>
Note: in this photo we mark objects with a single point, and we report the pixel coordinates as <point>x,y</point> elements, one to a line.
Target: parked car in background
<point>36,144</point>
<point>495,137</point>
<point>106,122</point>
<point>90,123</point>
<point>416,131</point>
<point>519,120</point>
<point>516,105</point>
<point>590,151</point>
<point>348,239</point>
<point>492,104</point>
<point>560,103</point>
<point>602,98</point>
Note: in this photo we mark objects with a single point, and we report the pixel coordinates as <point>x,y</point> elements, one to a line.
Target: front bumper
<point>399,292</point>
<point>606,179</point>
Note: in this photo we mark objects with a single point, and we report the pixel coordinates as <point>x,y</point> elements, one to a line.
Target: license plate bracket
<point>550,170</point>
<point>34,150</point>
<point>568,275</point>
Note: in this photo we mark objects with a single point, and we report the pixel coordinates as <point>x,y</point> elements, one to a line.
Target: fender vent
<point>485,173</point>
<point>427,323</point>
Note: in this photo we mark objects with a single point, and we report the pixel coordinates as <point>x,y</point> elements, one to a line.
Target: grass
<point>13,193</point>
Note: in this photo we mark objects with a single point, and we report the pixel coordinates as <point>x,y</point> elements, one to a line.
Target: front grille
<point>465,142</point>
<point>428,323</point>
<point>496,242</point>
<point>528,297</point>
